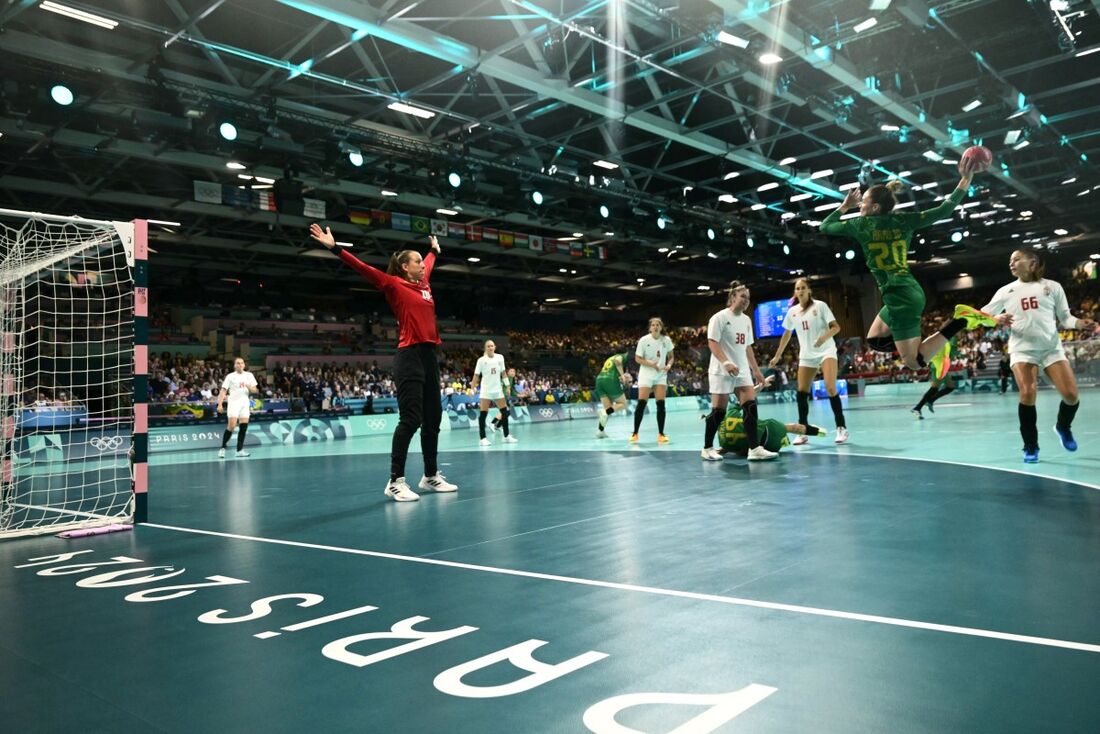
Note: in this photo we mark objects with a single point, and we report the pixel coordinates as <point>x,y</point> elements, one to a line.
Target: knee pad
<point>881,343</point>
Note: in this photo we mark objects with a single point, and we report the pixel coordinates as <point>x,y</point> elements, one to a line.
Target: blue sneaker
<point>1066,437</point>
<point>1031,456</point>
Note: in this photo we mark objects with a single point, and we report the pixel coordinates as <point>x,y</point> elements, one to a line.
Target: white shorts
<point>724,383</point>
<point>239,409</point>
<point>1044,358</point>
<point>811,361</point>
<point>491,395</point>
<point>649,376</point>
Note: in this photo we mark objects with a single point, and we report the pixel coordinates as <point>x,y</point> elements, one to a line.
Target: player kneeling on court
<point>237,385</point>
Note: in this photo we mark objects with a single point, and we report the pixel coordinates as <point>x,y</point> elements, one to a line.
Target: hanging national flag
<point>589,251</point>
<point>313,208</point>
<point>473,232</point>
<point>521,239</point>
<point>535,243</point>
<point>359,216</point>
<point>456,230</point>
<point>489,234</point>
<point>401,222</point>
<point>602,251</point>
<point>421,225</point>
<point>439,227</point>
<point>380,218</point>
<point>576,249</point>
<point>208,192</point>
<point>237,196</point>
<point>265,201</point>
<point>507,239</point>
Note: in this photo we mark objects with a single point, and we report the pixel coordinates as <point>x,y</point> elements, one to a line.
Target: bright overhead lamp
<point>732,40</point>
<point>473,259</point>
<point>731,174</point>
<point>96,20</point>
<point>1069,180</point>
<point>228,131</point>
<point>880,4</point>
<point>605,212</point>
<point>662,223</point>
<point>1061,232</point>
<point>865,25</point>
<point>786,249</point>
<point>606,164</point>
<point>1021,145</point>
<point>889,128</point>
<point>355,157</point>
<point>932,156</point>
<point>964,275</point>
<point>410,110</point>
<point>578,235</point>
<point>849,254</point>
<point>702,287</point>
<point>800,197</point>
<point>235,166</point>
<point>261,179</point>
<point>389,192</point>
<point>826,207</point>
<point>758,207</point>
<point>769,58</point>
<point>1087,51</point>
<point>711,234</point>
<point>822,173</point>
<point>749,241</point>
<point>972,105</point>
<point>164,222</point>
<point>454,179</point>
<point>537,198</point>
<point>852,185</point>
<point>768,186</point>
<point>727,199</point>
<point>788,160</point>
<point>448,212</point>
<point>1013,136</point>
<point>905,174</point>
<point>62,95</point>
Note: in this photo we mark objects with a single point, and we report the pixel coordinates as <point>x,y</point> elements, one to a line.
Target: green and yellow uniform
<point>732,436</point>
<point>885,240</point>
<point>609,383</point>
<point>509,386</point>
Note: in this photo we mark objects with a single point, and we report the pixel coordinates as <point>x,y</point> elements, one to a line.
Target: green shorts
<point>903,306</point>
<point>609,386</point>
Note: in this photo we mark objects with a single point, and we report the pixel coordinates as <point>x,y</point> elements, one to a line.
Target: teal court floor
<point>918,579</point>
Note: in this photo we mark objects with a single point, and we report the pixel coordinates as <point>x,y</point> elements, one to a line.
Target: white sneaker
<point>493,427</point>
<point>601,413</point>
<point>841,435</point>
<point>510,439</point>
<point>710,455</point>
<point>484,442</point>
<point>437,483</point>
<point>799,440</point>
<point>243,454</point>
<point>221,453</point>
<point>761,454</point>
<point>601,434</point>
<point>400,491</point>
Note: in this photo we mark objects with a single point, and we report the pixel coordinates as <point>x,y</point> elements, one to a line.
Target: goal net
<point>67,371</point>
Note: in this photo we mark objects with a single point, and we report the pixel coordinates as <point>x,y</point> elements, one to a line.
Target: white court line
<point>735,601</point>
<point>841,452</point>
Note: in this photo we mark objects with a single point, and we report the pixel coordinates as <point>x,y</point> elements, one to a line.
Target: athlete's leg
<point>659,392</point>
<point>639,409</point>
<point>1066,384</point>
<point>828,372</point>
<point>1027,379</point>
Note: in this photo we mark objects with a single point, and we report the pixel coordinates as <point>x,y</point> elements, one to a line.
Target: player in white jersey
<point>237,385</point>
<point>733,369</point>
<point>487,376</point>
<point>815,325</point>
<point>654,357</point>
<point>1034,307</point>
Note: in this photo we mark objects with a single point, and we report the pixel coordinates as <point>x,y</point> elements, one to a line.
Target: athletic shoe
<point>243,454</point>
<point>1031,456</point>
<point>634,438</point>
<point>930,407</point>
<point>221,453</point>
<point>761,454</point>
<point>399,491</point>
<point>601,434</point>
<point>799,440</point>
<point>510,439</point>
<point>940,363</point>
<point>601,413</point>
<point>662,438</point>
<point>1066,437</point>
<point>974,317</point>
<point>841,435</point>
<point>437,483</point>
<point>484,442</point>
<point>917,414</point>
<point>494,426</point>
<point>710,455</point>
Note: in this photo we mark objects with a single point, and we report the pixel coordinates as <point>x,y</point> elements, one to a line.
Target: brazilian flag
<point>421,225</point>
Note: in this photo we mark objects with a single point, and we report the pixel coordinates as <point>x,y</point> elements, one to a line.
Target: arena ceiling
<point>519,96</point>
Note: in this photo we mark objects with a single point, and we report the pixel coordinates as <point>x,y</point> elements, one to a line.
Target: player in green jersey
<point>771,433</point>
<point>610,386</point>
<point>884,237</point>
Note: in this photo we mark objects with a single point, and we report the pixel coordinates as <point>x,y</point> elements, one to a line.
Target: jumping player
<point>884,238</point>
<point>816,326</point>
<point>488,374</point>
<point>610,388</point>
<point>733,369</point>
<point>1033,307</point>
<point>237,385</point>
<point>654,357</point>
<point>937,388</point>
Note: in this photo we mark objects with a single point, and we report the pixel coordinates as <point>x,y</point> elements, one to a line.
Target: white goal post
<point>73,372</point>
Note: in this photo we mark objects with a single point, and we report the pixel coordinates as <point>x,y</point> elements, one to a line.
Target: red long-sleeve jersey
<point>411,303</point>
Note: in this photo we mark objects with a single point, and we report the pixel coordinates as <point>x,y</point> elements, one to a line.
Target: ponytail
<point>886,195</point>
<point>398,259</point>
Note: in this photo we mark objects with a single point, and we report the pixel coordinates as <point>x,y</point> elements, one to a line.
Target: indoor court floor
<point>920,578</point>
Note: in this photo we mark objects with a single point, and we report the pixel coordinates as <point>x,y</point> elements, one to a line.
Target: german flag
<point>359,216</point>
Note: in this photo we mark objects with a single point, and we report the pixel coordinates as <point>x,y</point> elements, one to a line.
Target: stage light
<point>604,211</point>
<point>454,179</point>
<point>537,198</point>
<point>62,95</point>
<point>228,131</point>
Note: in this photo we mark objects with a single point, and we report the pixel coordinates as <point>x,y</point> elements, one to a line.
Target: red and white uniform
<point>810,325</point>
<point>411,303</point>
<point>236,386</point>
<point>1037,309</point>
<point>734,335</point>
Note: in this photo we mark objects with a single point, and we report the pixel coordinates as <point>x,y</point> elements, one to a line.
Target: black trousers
<point>416,373</point>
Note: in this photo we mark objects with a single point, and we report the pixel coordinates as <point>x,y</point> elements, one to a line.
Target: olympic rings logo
<point>106,444</point>
<point>376,424</point>
<point>546,412</point>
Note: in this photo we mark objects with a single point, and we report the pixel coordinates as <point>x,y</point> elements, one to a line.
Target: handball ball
<point>980,155</point>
